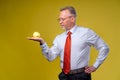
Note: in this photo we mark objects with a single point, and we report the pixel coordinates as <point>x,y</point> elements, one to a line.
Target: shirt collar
<point>72,30</point>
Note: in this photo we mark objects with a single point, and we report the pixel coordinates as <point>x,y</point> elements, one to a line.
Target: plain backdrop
<point>21,59</point>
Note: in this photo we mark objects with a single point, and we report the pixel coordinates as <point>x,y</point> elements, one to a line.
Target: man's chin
<point>63,27</point>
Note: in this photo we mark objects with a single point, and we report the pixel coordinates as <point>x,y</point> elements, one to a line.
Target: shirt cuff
<point>96,64</point>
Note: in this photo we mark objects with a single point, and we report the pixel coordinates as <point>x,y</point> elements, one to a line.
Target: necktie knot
<point>69,33</point>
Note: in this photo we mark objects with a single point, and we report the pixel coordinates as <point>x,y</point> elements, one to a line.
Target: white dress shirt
<point>81,40</point>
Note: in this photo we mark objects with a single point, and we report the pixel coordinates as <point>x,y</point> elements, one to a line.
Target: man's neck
<point>70,27</point>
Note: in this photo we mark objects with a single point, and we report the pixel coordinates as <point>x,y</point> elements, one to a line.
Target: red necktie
<point>67,51</point>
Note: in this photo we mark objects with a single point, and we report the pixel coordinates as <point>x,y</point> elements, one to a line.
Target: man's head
<point>67,17</point>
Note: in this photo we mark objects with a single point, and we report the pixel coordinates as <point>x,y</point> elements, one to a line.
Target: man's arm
<point>101,46</point>
<point>49,53</point>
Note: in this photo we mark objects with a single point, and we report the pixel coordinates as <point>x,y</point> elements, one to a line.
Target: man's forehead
<point>64,13</point>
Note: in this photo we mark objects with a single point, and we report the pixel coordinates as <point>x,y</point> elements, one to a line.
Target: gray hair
<point>71,10</point>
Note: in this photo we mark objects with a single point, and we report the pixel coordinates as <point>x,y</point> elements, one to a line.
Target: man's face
<point>66,19</point>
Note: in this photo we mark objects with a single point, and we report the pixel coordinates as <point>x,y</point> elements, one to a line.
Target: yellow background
<point>21,59</point>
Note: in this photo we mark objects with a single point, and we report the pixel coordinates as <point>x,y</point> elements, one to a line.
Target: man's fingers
<point>90,69</point>
<point>87,70</point>
<point>33,38</point>
<point>30,38</point>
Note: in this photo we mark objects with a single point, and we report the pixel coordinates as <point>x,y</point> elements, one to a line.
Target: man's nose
<point>60,21</point>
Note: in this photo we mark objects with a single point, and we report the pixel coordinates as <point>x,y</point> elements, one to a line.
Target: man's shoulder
<point>82,28</point>
<point>60,35</point>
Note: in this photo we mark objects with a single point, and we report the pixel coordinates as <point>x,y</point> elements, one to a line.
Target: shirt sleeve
<point>94,40</point>
<point>50,53</point>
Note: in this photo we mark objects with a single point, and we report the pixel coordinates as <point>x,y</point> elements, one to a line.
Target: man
<point>73,47</point>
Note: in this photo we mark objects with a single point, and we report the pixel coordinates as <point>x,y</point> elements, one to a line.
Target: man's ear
<point>73,19</point>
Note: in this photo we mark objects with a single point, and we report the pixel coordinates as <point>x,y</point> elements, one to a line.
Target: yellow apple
<point>36,34</point>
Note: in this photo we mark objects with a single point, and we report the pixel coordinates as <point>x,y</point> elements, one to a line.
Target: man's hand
<point>90,69</point>
<point>37,39</point>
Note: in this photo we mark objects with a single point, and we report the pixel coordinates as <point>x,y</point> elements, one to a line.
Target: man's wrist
<point>41,43</point>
